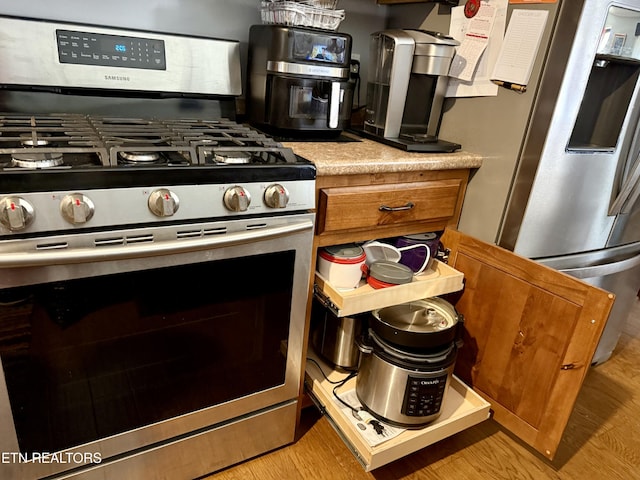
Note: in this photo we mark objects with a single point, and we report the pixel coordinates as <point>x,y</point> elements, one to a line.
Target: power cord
<point>338,384</point>
<point>354,75</point>
<point>375,424</point>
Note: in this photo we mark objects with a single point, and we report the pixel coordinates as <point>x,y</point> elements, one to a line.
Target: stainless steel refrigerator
<point>561,178</point>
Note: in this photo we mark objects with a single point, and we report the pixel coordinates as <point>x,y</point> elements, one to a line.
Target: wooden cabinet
<point>530,331</point>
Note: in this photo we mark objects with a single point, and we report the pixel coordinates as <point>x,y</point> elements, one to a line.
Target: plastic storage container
<point>342,265</point>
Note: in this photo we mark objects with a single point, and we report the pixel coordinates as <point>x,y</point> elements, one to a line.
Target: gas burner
<point>140,157</point>
<point>37,160</point>
<point>233,158</point>
<point>34,139</point>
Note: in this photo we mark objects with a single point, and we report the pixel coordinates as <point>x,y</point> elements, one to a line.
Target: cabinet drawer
<point>439,279</point>
<point>367,206</point>
<point>462,409</point>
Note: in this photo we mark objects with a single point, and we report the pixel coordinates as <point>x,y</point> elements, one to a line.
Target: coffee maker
<point>299,81</point>
<point>408,79</point>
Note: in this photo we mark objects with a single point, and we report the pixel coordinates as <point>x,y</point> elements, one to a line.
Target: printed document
<point>520,46</point>
<point>483,53</point>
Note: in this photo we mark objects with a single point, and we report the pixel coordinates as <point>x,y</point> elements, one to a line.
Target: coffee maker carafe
<point>408,79</point>
<point>299,81</point>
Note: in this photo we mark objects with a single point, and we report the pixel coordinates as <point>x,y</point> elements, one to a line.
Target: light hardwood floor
<point>602,440</point>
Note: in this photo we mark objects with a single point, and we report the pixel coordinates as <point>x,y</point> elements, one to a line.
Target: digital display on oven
<point>110,50</point>
<point>319,48</point>
<point>120,47</point>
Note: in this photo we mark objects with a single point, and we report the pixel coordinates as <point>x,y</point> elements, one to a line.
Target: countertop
<point>365,156</point>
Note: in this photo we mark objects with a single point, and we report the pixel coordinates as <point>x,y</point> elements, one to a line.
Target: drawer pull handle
<point>385,208</point>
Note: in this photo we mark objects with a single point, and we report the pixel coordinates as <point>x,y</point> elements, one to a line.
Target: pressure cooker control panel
<point>423,395</point>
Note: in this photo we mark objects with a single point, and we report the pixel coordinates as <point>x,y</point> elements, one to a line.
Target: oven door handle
<point>124,252</point>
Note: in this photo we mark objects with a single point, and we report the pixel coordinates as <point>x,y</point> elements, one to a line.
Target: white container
<point>342,265</point>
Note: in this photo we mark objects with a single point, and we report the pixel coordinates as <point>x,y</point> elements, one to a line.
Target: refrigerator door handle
<point>604,269</point>
<point>629,191</point>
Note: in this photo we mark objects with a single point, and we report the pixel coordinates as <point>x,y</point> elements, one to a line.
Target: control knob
<point>16,213</point>
<point>163,202</point>
<point>276,196</point>
<point>237,199</point>
<point>77,208</point>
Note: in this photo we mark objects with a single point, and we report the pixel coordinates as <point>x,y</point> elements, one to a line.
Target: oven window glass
<point>90,358</point>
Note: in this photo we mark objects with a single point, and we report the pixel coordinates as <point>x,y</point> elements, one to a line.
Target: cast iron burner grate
<point>69,141</point>
<point>53,141</point>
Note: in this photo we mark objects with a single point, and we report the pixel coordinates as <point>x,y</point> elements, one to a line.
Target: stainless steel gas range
<point>154,258</point>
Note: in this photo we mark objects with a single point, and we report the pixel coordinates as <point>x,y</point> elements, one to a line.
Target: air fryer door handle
<point>334,105</point>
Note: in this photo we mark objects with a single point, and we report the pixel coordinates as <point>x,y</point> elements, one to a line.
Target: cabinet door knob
<point>385,208</point>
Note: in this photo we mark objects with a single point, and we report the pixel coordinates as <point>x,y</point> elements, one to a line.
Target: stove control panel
<point>116,59</point>
<point>38,212</point>
<point>88,48</point>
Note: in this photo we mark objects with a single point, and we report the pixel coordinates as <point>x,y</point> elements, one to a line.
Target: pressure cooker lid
<point>430,315</point>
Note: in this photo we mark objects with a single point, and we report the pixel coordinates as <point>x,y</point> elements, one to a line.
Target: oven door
<point>120,341</point>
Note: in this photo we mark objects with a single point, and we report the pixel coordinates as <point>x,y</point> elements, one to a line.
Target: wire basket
<point>330,4</point>
<point>300,14</point>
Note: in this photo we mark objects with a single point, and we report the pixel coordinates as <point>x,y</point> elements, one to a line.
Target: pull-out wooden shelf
<point>529,381</point>
<point>437,280</point>
<point>462,409</point>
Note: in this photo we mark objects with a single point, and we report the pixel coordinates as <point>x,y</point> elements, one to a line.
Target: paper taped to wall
<point>473,44</point>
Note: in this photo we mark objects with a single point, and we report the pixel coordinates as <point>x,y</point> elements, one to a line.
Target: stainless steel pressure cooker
<point>407,359</point>
<point>334,338</point>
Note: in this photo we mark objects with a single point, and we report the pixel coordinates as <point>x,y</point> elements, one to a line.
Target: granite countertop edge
<point>364,156</point>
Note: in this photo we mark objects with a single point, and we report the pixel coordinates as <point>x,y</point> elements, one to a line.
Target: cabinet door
<point>530,335</point>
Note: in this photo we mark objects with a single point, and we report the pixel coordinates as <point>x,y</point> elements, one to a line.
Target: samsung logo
<point>117,78</point>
